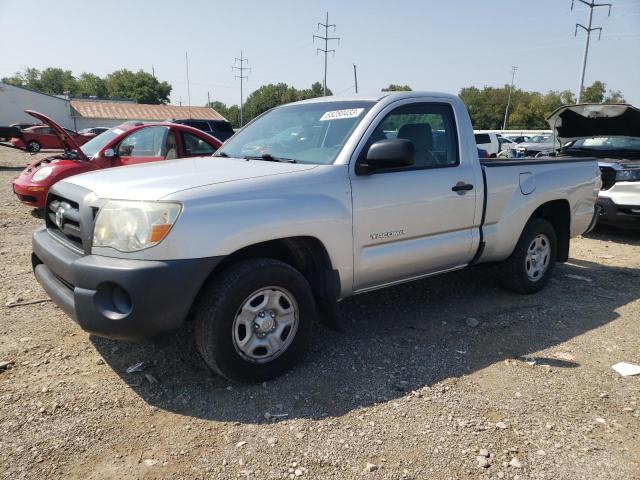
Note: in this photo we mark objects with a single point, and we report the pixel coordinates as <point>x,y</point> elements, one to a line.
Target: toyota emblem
<point>60,217</point>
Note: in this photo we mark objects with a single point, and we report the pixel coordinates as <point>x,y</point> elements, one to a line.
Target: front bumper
<point>618,214</point>
<point>30,194</point>
<point>116,297</point>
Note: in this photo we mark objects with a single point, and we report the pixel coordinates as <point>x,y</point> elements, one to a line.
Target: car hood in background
<point>589,120</point>
<point>65,139</point>
<point>155,180</point>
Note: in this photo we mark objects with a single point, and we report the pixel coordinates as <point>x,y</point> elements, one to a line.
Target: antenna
<point>355,77</point>
<point>242,77</point>
<point>325,50</point>
<point>591,4</point>
<point>186,56</point>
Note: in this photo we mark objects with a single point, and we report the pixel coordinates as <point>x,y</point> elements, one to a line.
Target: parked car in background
<point>488,142</point>
<point>221,129</point>
<point>518,138</point>
<point>537,145</point>
<point>34,139</point>
<point>14,130</point>
<point>126,144</point>
<point>505,143</point>
<point>610,133</point>
<point>271,234</point>
<point>93,130</point>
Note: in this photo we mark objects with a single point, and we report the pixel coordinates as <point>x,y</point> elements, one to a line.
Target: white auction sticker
<point>340,114</point>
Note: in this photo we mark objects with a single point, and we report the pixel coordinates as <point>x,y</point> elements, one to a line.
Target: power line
<point>326,50</point>
<point>591,4</point>
<point>242,77</point>
<point>514,69</point>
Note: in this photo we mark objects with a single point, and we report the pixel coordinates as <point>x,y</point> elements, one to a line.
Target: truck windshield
<point>96,144</point>
<point>305,133</point>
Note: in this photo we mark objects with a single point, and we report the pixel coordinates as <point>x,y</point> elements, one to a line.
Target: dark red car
<point>34,139</point>
<point>127,144</point>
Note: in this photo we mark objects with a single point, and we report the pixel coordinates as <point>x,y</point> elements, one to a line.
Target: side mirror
<point>109,153</point>
<point>389,153</point>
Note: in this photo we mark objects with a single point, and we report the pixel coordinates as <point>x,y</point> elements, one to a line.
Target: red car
<point>34,139</point>
<point>127,144</point>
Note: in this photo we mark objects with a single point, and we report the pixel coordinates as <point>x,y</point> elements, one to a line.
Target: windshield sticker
<point>117,131</point>
<point>340,114</point>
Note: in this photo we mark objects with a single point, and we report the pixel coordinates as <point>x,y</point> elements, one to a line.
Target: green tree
<point>90,84</point>
<point>614,96</point>
<point>594,93</point>
<point>28,78</point>
<point>57,81</point>
<point>140,86</point>
<point>397,88</point>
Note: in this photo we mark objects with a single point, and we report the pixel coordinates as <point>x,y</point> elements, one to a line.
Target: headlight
<point>42,173</point>
<point>129,226</point>
<point>628,175</point>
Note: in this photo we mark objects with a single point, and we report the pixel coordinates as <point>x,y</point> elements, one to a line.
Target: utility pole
<point>242,77</point>
<point>153,71</point>
<point>591,4</point>
<point>186,57</point>
<point>355,77</point>
<point>208,99</point>
<point>514,69</point>
<point>325,50</point>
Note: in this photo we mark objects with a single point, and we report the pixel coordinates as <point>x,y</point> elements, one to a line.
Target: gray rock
<point>472,322</point>
<point>482,461</point>
<point>371,467</point>
<point>515,463</point>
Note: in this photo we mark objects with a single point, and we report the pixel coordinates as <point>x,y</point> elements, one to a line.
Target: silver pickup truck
<point>310,203</point>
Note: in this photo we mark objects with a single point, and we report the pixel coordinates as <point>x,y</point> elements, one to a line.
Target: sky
<point>430,45</point>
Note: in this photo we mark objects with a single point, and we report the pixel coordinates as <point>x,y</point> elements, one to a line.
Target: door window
<point>431,129</point>
<point>147,142</point>
<point>195,146</point>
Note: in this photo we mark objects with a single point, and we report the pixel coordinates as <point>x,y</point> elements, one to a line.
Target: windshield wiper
<point>270,158</point>
<point>221,154</point>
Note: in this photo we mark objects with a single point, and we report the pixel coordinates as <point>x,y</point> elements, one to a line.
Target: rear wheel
<point>33,146</point>
<point>531,264</point>
<point>253,320</point>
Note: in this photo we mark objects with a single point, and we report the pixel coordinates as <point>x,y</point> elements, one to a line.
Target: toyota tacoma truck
<point>310,203</point>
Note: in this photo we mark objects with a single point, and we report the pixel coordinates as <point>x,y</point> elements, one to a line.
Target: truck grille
<point>63,220</point>
<point>608,175</point>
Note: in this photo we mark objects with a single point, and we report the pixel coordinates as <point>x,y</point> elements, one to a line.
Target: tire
<point>518,272</point>
<point>33,146</point>
<point>225,312</point>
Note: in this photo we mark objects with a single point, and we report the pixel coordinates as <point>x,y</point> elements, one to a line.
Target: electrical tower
<point>514,69</point>
<point>591,4</point>
<point>325,50</point>
<point>242,77</point>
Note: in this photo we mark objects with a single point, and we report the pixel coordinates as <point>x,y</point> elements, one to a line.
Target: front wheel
<point>253,320</point>
<point>33,146</point>
<point>531,264</point>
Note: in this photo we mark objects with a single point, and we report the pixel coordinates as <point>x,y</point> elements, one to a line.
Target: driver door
<point>148,144</point>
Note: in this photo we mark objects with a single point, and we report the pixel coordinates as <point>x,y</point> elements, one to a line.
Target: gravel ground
<point>446,378</point>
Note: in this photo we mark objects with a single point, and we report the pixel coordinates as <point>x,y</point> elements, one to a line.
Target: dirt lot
<point>446,378</point>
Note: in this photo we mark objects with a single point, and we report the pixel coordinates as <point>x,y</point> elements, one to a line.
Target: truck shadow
<point>629,235</point>
<point>392,342</point>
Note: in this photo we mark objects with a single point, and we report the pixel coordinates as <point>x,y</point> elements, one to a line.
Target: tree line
<point>121,84</point>
<point>486,105</point>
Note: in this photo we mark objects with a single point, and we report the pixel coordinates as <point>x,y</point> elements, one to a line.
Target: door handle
<point>462,187</point>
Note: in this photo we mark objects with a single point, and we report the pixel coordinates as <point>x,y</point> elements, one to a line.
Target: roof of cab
<point>376,97</point>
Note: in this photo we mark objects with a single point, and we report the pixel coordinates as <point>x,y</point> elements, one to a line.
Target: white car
<point>489,142</point>
<point>612,134</point>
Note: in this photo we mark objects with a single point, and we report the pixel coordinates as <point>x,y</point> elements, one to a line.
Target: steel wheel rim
<point>538,257</point>
<point>265,324</point>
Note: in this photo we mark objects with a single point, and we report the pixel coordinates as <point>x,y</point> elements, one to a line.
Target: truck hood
<point>65,139</point>
<point>589,120</point>
<point>155,180</point>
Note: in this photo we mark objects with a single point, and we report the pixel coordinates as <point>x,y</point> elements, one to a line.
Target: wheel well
<point>558,214</point>
<point>306,254</point>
